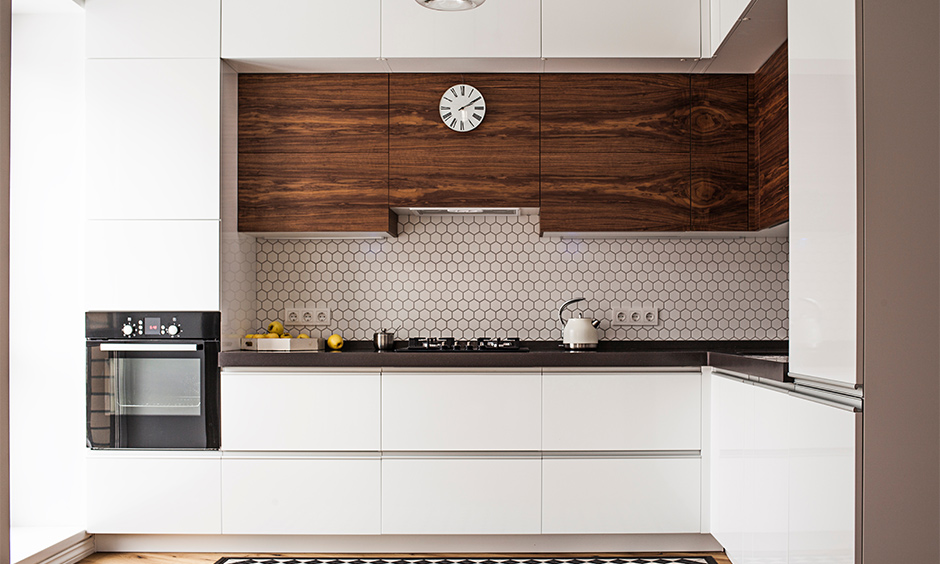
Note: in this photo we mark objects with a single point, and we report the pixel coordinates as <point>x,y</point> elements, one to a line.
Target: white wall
<point>47,362</point>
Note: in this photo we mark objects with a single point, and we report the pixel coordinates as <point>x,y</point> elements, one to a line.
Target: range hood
<point>464,211</point>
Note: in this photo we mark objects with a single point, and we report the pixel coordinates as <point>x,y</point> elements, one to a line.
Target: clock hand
<point>470,103</point>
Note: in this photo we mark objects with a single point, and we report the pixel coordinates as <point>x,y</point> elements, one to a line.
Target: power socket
<point>634,316</point>
<point>305,317</point>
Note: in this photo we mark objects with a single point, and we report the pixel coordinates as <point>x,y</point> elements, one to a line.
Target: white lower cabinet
<point>631,495</point>
<point>153,493</point>
<point>298,495</point>
<point>309,410</point>
<point>483,496</point>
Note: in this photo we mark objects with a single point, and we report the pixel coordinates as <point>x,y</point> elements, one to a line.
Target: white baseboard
<point>69,551</point>
<point>407,544</point>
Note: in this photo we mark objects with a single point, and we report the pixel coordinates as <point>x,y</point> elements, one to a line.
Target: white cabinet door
<point>621,411</point>
<point>642,495</point>
<point>728,496</point>
<point>152,29</point>
<point>153,138</point>
<point>724,15</point>
<point>621,28</point>
<point>160,493</point>
<point>495,29</point>
<point>300,28</point>
<point>301,411</point>
<point>152,265</point>
<point>461,411</point>
<point>293,496</point>
<point>461,496</point>
<point>822,483</point>
<point>823,190</point>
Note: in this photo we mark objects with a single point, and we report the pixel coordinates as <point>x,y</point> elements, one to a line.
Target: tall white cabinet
<point>153,82</point>
<point>823,191</point>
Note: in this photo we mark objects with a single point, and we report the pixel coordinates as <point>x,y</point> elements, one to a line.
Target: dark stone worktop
<point>765,359</point>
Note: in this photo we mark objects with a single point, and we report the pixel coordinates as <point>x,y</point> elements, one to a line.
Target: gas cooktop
<point>450,344</point>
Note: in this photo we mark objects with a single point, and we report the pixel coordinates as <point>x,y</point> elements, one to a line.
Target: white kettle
<point>580,332</point>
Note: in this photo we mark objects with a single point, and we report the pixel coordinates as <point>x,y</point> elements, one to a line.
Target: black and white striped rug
<point>586,560</point>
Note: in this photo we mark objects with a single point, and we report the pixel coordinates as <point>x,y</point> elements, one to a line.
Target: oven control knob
<point>172,330</point>
<point>127,329</point>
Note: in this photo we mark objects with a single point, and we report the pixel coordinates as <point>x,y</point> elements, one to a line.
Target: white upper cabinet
<point>497,29</point>
<point>152,29</point>
<point>823,190</point>
<point>301,28</point>
<point>724,14</point>
<point>153,138</point>
<point>621,28</point>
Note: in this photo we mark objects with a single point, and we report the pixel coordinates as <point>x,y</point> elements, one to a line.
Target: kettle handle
<point>564,305</point>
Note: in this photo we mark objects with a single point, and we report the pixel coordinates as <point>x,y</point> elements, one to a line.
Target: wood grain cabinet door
<point>615,153</point>
<point>313,153</point>
<point>494,165</point>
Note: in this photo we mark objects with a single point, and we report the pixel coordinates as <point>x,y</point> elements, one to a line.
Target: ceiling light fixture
<point>450,5</point>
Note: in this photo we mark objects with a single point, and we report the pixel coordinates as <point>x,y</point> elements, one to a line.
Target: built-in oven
<point>152,380</point>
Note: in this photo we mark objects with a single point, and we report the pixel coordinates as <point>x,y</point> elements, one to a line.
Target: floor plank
<point>210,558</point>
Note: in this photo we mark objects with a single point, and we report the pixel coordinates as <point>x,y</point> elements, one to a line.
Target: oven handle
<point>141,347</point>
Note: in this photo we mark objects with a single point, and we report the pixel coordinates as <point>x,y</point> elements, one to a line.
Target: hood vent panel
<point>511,212</point>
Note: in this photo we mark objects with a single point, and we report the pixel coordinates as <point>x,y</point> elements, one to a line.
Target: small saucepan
<point>384,340</point>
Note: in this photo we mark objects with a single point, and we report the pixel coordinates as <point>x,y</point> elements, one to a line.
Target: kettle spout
<point>596,323</point>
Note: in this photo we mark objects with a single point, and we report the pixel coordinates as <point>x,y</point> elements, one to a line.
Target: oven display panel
<point>151,326</point>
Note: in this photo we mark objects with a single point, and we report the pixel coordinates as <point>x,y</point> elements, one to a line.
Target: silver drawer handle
<point>135,347</point>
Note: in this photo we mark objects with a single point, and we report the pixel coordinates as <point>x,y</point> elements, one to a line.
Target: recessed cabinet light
<point>450,5</point>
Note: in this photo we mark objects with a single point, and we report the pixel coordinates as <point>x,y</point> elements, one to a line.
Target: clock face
<point>462,107</point>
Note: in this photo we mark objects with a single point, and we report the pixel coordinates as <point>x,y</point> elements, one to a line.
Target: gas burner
<point>449,344</point>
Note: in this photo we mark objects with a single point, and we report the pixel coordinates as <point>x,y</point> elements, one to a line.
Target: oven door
<point>153,394</point>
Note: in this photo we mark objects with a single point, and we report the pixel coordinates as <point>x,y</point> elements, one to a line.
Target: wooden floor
<point>210,558</point>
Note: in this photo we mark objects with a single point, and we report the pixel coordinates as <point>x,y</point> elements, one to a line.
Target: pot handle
<point>564,305</point>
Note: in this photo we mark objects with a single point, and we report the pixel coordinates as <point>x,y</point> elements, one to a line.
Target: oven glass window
<point>157,386</point>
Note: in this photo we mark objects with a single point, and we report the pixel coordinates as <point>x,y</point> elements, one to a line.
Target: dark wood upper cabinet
<point>615,113</point>
<point>496,164</point>
<point>772,141</point>
<point>719,153</point>
<point>313,153</point>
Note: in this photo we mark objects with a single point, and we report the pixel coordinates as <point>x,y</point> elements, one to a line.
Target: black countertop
<point>765,359</point>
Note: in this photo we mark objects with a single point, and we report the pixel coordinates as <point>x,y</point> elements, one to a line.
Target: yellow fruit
<point>276,327</point>
<point>285,336</point>
<point>303,336</point>
<point>249,336</point>
<point>335,342</point>
<point>272,336</point>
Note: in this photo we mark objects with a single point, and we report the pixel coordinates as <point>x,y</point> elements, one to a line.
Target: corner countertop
<point>765,359</point>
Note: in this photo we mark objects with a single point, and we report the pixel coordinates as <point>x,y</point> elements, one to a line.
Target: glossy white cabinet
<point>153,138</point>
<point>461,411</point>
<point>729,513</point>
<point>301,411</point>
<point>495,29</point>
<point>630,495</point>
<point>621,28</point>
<point>172,493</point>
<point>152,29</point>
<point>597,411</point>
<point>162,265</point>
<point>823,190</point>
<point>300,495</point>
<point>822,483</point>
<point>301,28</point>
<point>461,496</point>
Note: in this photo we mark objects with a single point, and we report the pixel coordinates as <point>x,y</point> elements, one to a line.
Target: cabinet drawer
<point>461,411</point>
<point>641,495</point>
<point>301,496</point>
<point>621,411</point>
<point>149,494</point>
<point>461,496</point>
<point>301,411</point>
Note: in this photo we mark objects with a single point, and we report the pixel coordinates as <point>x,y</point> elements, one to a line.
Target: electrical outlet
<point>304,317</point>
<point>634,315</point>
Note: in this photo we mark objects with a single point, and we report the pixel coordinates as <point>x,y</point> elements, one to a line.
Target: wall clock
<point>462,107</point>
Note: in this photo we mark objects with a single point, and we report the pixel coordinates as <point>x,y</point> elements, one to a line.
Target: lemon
<point>285,336</point>
<point>276,327</point>
<point>249,336</point>
<point>272,336</point>
<point>335,342</point>
<point>303,336</point>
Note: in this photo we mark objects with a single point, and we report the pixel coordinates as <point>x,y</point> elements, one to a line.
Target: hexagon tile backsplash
<point>473,276</point>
